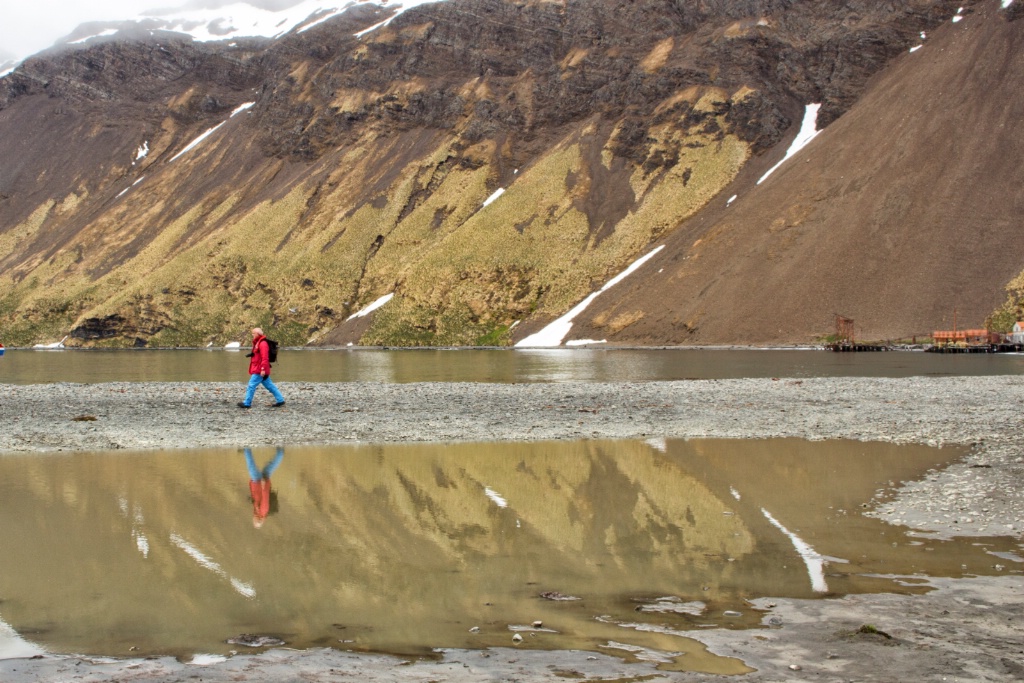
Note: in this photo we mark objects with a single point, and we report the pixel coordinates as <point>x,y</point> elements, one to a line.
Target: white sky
<point>28,26</point>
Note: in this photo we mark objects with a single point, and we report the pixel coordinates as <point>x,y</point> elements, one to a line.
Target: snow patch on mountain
<point>808,130</point>
<point>242,20</point>
<point>555,332</point>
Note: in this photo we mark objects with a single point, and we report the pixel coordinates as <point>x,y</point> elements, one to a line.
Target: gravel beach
<point>964,630</point>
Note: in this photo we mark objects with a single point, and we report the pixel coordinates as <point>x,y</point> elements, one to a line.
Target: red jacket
<point>259,364</point>
<point>260,491</point>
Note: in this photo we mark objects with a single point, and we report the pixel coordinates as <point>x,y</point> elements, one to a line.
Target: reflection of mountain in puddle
<point>815,492</point>
<point>407,548</point>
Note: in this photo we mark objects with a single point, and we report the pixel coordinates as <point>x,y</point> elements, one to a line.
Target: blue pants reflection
<point>256,473</point>
<point>255,381</point>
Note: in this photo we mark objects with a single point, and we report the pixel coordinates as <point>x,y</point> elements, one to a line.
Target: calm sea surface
<point>489,365</point>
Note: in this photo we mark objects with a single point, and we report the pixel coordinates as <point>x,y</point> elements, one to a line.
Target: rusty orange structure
<point>965,337</point>
<point>844,329</point>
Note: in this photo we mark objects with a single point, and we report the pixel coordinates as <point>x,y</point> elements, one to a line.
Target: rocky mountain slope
<point>482,166</point>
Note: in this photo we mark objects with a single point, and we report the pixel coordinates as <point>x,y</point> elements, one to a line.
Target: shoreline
<point>967,629</point>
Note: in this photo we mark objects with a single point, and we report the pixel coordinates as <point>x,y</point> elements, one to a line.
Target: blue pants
<point>255,381</point>
<point>256,473</point>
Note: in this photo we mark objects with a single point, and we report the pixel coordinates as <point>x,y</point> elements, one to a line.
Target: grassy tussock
<point>488,271</point>
<point>658,56</point>
<point>1012,310</point>
<point>22,234</point>
<point>383,221</point>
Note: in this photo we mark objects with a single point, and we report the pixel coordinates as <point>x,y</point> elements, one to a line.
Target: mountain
<point>468,171</point>
<point>904,214</point>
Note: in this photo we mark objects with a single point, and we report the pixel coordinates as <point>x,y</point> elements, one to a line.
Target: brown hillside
<point>905,209</point>
<point>365,167</point>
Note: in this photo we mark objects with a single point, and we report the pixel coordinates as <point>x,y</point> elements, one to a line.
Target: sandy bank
<point>970,629</point>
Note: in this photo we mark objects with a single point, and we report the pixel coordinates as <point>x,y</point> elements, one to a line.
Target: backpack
<point>271,350</point>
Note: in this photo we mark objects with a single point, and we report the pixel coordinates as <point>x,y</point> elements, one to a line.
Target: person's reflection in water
<point>259,485</point>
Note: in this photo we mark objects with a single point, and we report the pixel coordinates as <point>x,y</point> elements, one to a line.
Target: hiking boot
<point>242,405</point>
<point>277,405</point>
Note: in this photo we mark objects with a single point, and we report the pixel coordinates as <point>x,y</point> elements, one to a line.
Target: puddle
<point>619,547</point>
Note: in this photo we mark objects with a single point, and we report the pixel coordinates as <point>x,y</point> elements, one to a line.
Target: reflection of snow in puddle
<point>141,542</point>
<point>13,646</point>
<point>519,628</point>
<point>658,444</point>
<point>493,495</point>
<point>815,562</point>
<point>1012,557</point>
<point>243,588</point>
<point>138,519</point>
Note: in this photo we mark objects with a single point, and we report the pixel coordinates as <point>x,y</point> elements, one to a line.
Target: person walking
<point>259,370</point>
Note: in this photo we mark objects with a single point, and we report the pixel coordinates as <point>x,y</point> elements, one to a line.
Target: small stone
<point>538,624</point>
<point>795,667</point>
<point>517,638</point>
<point>475,629</point>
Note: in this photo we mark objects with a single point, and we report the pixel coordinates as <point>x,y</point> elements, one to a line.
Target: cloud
<point>28,27</point>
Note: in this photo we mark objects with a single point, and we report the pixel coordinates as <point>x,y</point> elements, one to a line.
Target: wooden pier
<point>854,348</point>
<point>1001,347</point>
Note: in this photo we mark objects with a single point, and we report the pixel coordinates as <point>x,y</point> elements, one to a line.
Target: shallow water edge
<point>490,365</point>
